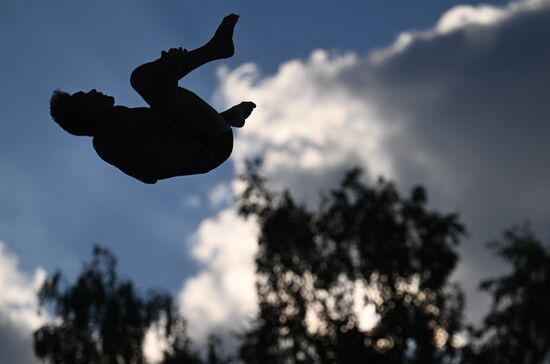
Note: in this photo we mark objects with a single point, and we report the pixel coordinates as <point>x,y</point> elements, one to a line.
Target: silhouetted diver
<point>178,135</point>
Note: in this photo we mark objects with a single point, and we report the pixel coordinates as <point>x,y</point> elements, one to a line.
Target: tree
<point>318,270</point>
<point>517,328</point>
<point>100,319</point>
<point>361,241</point>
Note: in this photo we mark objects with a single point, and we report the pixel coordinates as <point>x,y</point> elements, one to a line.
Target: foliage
<point>517,328</point>
<point>319,272</point>
<point>100,319</point>
<point>364,246</point>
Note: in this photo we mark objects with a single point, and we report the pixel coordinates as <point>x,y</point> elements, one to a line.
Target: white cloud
<point>305,123</point>
<point>18,308</point>
<point>459,18</point>
<point>301,128</point>
<point>465,15</point>
<point>18,299</point>
<point>461,108</point>
<point>155,343</point>
<point>222,296</point>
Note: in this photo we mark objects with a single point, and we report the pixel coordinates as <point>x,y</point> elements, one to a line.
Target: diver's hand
<point>174,59</point>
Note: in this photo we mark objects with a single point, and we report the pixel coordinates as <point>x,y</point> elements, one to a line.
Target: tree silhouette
<point>365,242</point>
<point>319,272</point>
<point>517,328</point>
<point>101,319</point>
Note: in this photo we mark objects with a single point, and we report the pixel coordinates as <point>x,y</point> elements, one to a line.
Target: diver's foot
<point>236,115</point>
<point>222,41</point>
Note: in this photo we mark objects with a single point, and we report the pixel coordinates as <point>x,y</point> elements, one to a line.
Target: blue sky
<point>83,45</point>
<point>456,105</point>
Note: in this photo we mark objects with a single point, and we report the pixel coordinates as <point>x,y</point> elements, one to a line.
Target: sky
<point>448,94</point>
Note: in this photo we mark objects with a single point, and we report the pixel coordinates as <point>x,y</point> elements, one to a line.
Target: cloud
<point>15,346</point>
<point>155,343</point>
<point>307,126</point>
<point>222,296</point>
<point>18,309</point>
<point>461,108</point>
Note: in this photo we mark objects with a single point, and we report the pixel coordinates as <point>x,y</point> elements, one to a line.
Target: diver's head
<point>81,112</point>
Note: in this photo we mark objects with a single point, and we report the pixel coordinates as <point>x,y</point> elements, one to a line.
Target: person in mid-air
<point>178,134</point>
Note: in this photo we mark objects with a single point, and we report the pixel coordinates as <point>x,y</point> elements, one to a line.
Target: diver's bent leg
<point>146,78</point>
<point>219,47</point>
<point>197,115</point>
<point>184,157</point>
<point>156,85</point>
